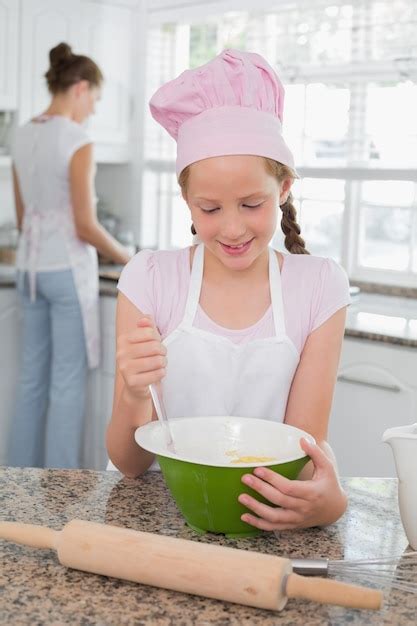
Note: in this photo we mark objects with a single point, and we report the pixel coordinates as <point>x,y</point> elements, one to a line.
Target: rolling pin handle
<point>30,535</point>
<point>332,592</point>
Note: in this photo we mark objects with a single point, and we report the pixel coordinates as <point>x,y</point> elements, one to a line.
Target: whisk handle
<point>310,567</point>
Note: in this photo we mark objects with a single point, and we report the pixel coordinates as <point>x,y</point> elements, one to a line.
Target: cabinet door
<point>90,459</point>
<point>107,38</point>
<point>9,15</point>
<point>100,390</point>
<point>10,351</point>
<point>44,24</point>
<point>371,395</point>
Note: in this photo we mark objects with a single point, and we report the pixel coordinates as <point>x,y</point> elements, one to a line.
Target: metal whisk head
<point>395,572</point>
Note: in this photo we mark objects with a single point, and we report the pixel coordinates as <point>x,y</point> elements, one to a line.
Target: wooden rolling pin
<point>239,576</point>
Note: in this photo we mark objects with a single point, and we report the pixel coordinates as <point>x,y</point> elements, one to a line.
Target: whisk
<point>396,572</point>
<point>162,416</point>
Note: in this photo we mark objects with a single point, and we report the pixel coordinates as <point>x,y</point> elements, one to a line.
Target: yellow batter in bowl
<point>249,459</point>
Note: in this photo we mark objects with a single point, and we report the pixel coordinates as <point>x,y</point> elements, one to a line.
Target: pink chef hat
<point>231,105</point>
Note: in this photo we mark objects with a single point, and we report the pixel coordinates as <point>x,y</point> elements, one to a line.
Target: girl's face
<point>234,202</point>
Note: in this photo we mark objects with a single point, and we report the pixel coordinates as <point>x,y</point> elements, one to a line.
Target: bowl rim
<point>155,424</point>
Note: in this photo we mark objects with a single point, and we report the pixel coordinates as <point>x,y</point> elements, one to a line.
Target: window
<point>350,71</point>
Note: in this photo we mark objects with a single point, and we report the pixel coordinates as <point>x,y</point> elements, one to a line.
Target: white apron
<point>37,223</point>
<point>208,374</point>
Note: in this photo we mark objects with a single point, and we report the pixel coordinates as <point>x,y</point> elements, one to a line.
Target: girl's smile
<point>236,250</point>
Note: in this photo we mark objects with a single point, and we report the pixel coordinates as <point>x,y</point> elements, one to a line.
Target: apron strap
<point>274,287</point>
<point>195,287</point>
<point>33,218</point>
<point>276,293</point>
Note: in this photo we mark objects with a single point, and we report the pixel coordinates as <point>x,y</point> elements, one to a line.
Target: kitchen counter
<point>375,317</point>
<point>36,589</point>
<point>379,317</point>
<point>108,278</point>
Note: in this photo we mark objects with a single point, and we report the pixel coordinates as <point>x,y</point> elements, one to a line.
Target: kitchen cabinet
<point>102,30</point>
<point>44,24</point>
<point>376,389</point>
<point>107,38</point>
<point>9,25</point>
<point>10,351</point>
<point>100,390</point>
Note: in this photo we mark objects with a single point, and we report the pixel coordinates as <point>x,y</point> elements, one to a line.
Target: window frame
<point>358,74</point>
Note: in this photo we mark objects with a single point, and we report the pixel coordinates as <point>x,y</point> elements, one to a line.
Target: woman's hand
<point>301,503</point>
<point>141,358</point>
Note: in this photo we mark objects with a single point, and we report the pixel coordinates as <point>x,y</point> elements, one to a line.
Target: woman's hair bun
<point>61,54</point>
<point>67,68</point>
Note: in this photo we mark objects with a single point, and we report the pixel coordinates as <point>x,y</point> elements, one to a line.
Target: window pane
<point>326,124</point>
<point>386,224</point>
<point>294,115</point>
<point>388,193</point>
<point>180,235</point>
<point>203,43</point>
<point>392,26</point>
<point>385,241</point>
<point>166,57</point>
<point>319,204</point>
<point>166,218</point>
<point>323,189</point>
<point>321,227</point>
<point>391,124</point>
<point>316,118</point>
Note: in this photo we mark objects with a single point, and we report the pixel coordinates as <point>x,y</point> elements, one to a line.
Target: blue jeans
<point>47,427</point>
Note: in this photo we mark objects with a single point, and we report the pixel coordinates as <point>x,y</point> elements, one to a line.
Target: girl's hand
<point>301,503</point>
<point>141,358</point>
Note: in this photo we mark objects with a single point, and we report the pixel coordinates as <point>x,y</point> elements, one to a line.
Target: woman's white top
<point>42,152</point>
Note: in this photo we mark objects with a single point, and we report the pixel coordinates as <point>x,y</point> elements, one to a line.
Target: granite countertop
<point>36,589</point>
<point>385,318</point>
<point>380,317</point>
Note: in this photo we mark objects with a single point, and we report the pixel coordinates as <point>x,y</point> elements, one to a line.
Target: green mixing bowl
<point>204,474</point>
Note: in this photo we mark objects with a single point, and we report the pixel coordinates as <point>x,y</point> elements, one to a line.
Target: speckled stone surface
<point>35,589</point>
<point>388,290</point>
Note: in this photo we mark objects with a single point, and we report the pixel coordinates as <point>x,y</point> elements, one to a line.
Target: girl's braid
<point>293,242</point>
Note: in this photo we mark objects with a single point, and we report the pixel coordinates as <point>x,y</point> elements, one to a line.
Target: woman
<point>53,171</point>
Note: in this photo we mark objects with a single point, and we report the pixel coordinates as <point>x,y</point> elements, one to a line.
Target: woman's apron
<point>39,223</point>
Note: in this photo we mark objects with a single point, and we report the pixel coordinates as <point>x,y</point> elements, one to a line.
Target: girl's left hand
<point>295,503</point>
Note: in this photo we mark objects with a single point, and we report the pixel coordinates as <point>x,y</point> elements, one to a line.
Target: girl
<point>230,326</point>
<point>57,265</point>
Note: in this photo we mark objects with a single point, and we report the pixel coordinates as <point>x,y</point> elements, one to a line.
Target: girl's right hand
<point>141,358</point>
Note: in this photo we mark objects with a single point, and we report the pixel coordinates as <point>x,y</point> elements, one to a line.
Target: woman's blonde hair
<point>294,243</point>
